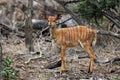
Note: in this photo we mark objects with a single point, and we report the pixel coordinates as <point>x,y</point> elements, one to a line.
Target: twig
<point>6,26</point>
<point>103,32</point>
<point>45,29</point>
<point>53,65</point>
<point>64,21</point>
<point>74,1</point>
<point>35,57</point>
<point>67,2</point>
<point>71,13</point>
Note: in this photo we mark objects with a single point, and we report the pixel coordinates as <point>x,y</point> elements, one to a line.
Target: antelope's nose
<point>49,24</point>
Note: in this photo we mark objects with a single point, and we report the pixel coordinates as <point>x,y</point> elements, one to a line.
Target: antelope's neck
<point>53,33</point>
<point>53,30</point>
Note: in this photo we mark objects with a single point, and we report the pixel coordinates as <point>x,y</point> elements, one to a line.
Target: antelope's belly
<point>71,44</point>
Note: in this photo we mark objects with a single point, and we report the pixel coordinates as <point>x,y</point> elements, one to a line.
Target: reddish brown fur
<point>73,36</point>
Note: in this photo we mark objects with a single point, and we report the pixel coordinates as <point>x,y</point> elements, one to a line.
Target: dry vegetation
<point>31,66</point>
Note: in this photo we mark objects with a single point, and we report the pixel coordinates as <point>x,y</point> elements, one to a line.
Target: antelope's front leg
<point>91,54</point>
<point>63,68</point>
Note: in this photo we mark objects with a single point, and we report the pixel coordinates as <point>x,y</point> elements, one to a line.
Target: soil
<point>31,66</point>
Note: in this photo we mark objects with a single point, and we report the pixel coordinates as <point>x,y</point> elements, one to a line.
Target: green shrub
<point>116,78</point>
<point>8,72</point>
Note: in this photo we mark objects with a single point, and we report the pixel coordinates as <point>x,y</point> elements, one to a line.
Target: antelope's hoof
<point>90,72</point>
<point>63,70</point>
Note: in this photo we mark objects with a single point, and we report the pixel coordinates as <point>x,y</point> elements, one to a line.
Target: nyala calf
<point>71,37</point>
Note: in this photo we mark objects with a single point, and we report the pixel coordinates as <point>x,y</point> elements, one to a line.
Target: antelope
<point>71,37</point>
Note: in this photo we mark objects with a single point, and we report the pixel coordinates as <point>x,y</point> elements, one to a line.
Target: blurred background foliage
<point>93,8</point>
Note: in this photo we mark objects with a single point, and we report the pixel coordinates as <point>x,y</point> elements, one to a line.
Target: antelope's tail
<point>95,39</point>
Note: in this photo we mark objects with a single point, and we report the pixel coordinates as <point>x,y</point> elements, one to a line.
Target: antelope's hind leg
<point>63,68</point>
<point>91,54</point>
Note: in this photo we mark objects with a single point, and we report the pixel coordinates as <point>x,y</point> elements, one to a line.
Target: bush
<point>8,72</point>
<point>93,8</point>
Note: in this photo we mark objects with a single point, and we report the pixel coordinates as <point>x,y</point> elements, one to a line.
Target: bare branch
<point>64,21</point>
<point>103,32</point>
<point>53,65</point>
<point>6,27</point>
<point>115,21</point>
<point>74,1</point>
<point>72,14</point>
<point>68,2</point>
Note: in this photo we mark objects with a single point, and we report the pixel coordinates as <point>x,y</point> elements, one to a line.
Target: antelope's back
<point>86,34</point>
<point>71,36</point>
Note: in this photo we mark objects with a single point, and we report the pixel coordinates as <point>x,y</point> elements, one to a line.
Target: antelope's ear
<point>58,16</point>
<point>44,16</point>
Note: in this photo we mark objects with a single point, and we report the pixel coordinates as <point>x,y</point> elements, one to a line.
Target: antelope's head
<point>53,24</point>
<point>52,20</point>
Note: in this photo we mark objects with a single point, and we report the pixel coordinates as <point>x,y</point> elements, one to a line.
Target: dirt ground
<point>31,66</point>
